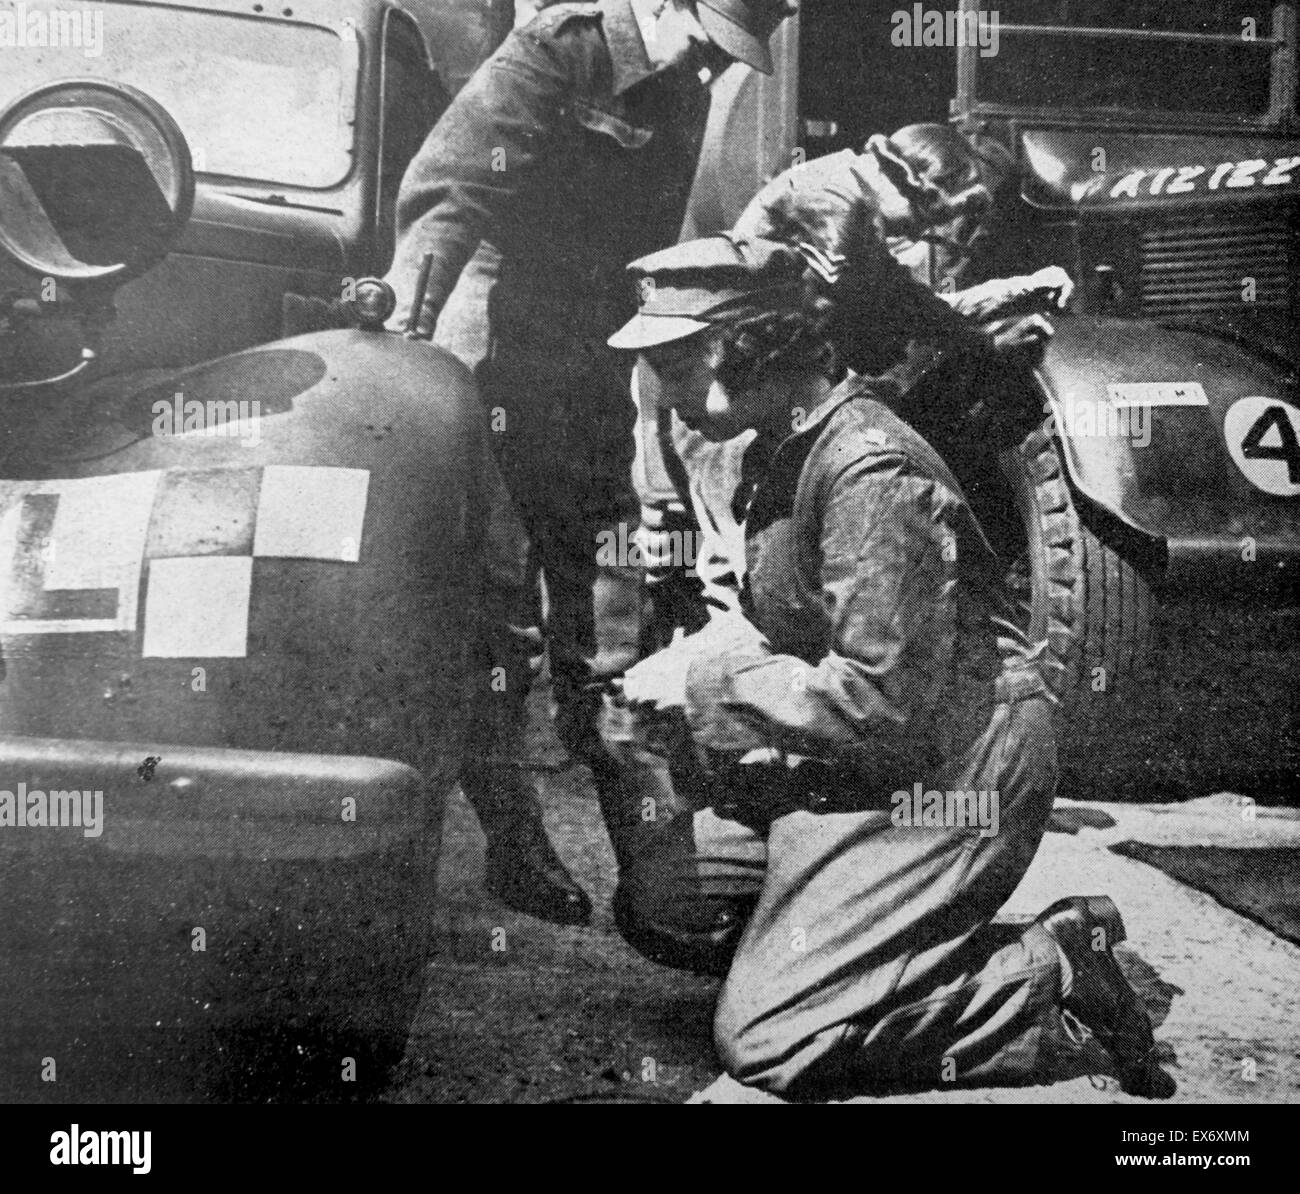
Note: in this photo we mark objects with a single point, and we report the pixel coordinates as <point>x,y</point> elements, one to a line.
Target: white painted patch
<point>310,513</point>
<point>197,607</point>
<point>1157,393</point>
<point>1263,436</point>
<point>96,541</point>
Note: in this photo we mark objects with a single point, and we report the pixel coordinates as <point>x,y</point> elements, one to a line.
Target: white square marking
<point>197,607</point>
<point>308,513</point>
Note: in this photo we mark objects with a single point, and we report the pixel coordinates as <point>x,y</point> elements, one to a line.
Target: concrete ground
<point>521,1011</point>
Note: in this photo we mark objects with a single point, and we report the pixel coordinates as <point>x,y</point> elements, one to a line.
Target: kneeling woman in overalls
<point>872,718</point>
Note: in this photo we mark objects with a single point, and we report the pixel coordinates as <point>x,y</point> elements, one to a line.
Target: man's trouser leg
<point>508,651</point>
<point>522,866</point>
<point>506,658</point>
<point>869,961</point>
<point>567,462</point>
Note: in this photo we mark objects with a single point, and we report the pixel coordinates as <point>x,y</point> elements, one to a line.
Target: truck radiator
<point>1203,262</point>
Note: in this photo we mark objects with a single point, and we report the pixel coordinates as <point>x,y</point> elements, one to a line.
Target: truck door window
<point>265,100</point>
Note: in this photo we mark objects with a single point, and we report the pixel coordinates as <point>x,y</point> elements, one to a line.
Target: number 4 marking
<point>1263,437</point>
<point>1287,447</point>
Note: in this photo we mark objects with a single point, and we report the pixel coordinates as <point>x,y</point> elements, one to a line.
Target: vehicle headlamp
<point>96,182</point>
<point>372,303</point>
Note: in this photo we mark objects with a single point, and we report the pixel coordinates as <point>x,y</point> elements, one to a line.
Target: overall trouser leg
<point>869,959</point>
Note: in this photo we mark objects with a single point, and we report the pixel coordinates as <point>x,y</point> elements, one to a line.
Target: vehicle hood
<point>1139,171</point>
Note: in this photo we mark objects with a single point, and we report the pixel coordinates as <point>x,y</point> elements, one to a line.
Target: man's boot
<point>523,869</point>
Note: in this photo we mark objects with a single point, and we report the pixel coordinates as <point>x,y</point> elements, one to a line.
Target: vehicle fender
<point>1154,426</point>
<point>303,580</point>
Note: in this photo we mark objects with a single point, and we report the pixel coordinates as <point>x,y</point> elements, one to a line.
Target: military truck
<point>1156,157</point>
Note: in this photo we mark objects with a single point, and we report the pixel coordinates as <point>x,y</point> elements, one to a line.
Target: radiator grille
<point>1200,263</point>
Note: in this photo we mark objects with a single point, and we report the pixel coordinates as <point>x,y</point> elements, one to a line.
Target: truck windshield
<point>1148,55</point>
<point>256,98</point>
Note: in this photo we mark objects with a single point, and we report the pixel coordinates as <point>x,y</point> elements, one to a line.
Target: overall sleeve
<point>474,162</point>
<point>888,579</point>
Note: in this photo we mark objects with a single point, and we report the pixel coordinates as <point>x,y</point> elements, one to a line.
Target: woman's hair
<point>938,171</point>
<point>791,340</point>
<point>939,154</point>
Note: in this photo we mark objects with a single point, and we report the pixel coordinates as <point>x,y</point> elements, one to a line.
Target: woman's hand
<point>1054,283</point>
<point>658,681</point>
<point>1044,290</point>
<point>1019,335</point>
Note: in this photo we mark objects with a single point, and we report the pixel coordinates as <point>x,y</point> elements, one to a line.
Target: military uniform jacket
<point>568,154</point>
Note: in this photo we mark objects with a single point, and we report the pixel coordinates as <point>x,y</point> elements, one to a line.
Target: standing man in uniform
<point>571,149</point>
